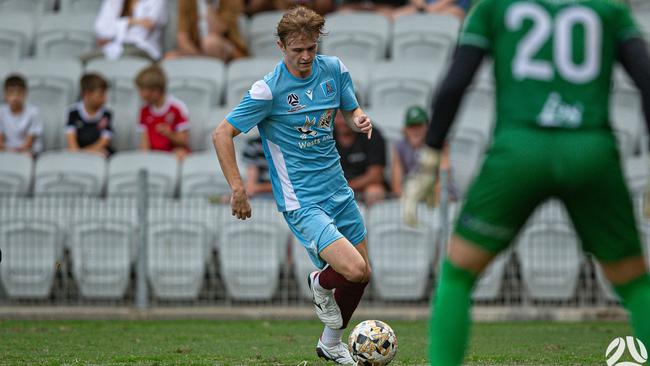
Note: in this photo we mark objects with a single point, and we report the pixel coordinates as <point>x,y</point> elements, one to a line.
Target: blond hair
<point>300,22</point>
<point>151,77</point>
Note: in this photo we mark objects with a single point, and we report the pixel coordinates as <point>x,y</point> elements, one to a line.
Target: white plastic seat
<point>201,133</point>
<point>550,258</point>
<point>252,252</point>
<point>262,42</point>
<point>53,86</point>
<point>201,175</point>
<point>101,254</point>
<point>424,37</point>
<point>32,7</point>
<point>401,256</point>
<point>123,100</point>
<point>30,249</point>
<point>489,283</point>
<point>15,173</point>
<point>176,258</point>
<point>390,120</point>
<point>242,73</point>
<point>86,7</point>
<point>68,172</point>
<point>466,152</point>
<point>16,35</point>
<point>360,74</point>
<point>402,84</point>
<point>199,82</point>
<point>123,171</point>
<point>358,35</point>
<point>64,36</point>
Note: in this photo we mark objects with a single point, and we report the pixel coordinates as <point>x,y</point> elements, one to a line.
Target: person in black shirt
<point>258,180</point>
<point>362,159</point>
<point>89,122</point>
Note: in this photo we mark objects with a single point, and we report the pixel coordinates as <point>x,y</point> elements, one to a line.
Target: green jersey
<point>553,59</point>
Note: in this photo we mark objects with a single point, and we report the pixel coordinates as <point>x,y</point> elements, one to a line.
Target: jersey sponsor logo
<point>305,130</point>
<point>325,120</point>
<point>309,94</point>
<point>557,113</point>
<point>635,348</point>
<point>329,88</point>
<point>294,102</point>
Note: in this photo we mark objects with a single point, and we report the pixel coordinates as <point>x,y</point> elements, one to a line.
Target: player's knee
<point>357,273</point>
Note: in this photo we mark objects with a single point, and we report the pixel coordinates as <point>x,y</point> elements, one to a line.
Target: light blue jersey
<point>295,120</point>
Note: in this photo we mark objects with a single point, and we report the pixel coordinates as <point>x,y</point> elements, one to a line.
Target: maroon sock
<point>330,279</point>
<point>347,298</point>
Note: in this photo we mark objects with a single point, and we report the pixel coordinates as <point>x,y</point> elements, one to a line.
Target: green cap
<point>415,115</point>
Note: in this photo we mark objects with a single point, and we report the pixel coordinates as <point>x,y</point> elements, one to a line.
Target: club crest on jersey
<point>305,130</point>
<point>329,89</point>
<point>325,120</point>
<point>293,100</point>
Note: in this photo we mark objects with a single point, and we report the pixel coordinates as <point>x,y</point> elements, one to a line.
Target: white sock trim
<point>331,337</point>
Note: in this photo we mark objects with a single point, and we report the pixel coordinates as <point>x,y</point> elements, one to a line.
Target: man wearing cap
<point>404,158</point>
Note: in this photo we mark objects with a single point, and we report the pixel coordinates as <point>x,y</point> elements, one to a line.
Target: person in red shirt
<point>164,123</point>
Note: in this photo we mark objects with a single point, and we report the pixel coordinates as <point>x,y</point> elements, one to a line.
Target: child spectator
<point>89,122</point>
<point>164,122</point>
<point>209,28</point>
<point>20,124</point>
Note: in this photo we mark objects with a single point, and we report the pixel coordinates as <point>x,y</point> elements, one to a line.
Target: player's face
<point>299,55</point>
<point>15,98</point>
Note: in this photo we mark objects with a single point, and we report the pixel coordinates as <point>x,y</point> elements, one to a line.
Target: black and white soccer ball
<point>372,343</point>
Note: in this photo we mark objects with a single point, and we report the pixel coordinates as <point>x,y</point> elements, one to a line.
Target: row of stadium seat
<point>101,239</point>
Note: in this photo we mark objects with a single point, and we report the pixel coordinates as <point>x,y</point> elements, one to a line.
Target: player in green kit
<point>553,62</point>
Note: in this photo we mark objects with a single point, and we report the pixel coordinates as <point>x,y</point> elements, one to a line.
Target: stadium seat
<point>402,84</point>
<point>123,171</point>
<point>87,7</point>
<point>101,254</point>
<point>640,6</point>
<point>360,73</point>
<point>70,172</point>
<point>262,33</point>
<point>466,151</point>
<point>390,120</point>
<point>199,82</point>
<point>488,286</point>
<point>15,173</point>
<point>605,287</point>
<point>31,7</point>
<point>424,37</point>
<point>124,100</point>
<point>53,86</point>
<point>358,35</point>
<point>201,133</point>
<point>201,176</point>
<point>252,252</point>
<point>30,249</point>
<point>242,73</point>
<point>401,256</point>
<point>549,254</point>
<point>64,36</point>
<point>16,36</point>
<point>176,258</point>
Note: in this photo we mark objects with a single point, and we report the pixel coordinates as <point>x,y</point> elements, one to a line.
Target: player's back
<point>553,59</point>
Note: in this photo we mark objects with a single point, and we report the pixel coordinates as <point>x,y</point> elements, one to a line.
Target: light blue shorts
<point>319,225</point>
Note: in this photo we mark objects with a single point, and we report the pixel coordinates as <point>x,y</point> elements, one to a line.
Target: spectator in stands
<point>405,151</point>
<point>322,7</point>
<point>362,159</point>
<point>457,8</point>
<point>164,122</point>
<point>20,124</point>
<point>258,180</point>
<point>209,28</point>
<point>89,121</point>
<point>129,28</point>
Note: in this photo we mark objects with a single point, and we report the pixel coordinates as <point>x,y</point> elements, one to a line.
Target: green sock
<point>450,319</point>
<point>635,296</point>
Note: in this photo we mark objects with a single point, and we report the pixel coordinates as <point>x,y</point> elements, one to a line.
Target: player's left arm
<point>358,120</point>
<point>633,56</point>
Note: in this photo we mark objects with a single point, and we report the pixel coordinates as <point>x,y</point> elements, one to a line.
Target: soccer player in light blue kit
<point>294,107</point>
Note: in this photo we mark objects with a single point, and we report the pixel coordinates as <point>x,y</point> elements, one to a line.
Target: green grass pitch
<point>211,342</point>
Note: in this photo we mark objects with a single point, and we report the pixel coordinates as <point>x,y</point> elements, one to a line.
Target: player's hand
<point>163,129</point>
<point>363,123</point>
<point>239,204</point>
<point>421,185</point>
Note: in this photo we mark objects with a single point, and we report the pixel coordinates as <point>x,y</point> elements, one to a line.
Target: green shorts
<point>525,167</point>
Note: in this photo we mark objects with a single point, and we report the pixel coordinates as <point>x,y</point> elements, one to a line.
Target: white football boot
<point>339,353</point>
<point>326,308</point>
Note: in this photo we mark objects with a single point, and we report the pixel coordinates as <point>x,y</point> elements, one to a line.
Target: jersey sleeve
<point>70,126</point>
<point>477,28</point>
<point>348,97</point>
<point>625,26</point>
<point>253,109</point>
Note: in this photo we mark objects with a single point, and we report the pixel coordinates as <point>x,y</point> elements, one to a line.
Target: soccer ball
<point>372,343</point>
